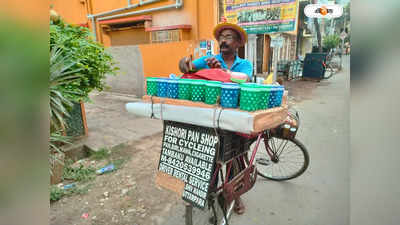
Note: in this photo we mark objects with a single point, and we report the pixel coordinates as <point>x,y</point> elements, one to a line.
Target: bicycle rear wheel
<point>289,159</point>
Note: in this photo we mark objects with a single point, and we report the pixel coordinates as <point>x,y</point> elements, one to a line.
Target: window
<point>162,36</point>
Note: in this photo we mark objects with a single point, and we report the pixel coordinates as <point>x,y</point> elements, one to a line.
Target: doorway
<point>260,53</point>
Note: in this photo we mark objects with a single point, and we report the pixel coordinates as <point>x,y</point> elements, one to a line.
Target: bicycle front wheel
<point>288,159</point>
<point>329,71</point>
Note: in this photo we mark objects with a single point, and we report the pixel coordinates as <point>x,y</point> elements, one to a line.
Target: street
<point>321,195</point>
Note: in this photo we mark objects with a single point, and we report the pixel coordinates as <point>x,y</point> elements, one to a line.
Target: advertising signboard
<point>259,17</point>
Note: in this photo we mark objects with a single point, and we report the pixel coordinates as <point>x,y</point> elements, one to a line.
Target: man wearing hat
<point>230,37</point>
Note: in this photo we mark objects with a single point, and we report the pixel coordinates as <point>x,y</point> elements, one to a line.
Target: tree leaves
<point>89,56</point>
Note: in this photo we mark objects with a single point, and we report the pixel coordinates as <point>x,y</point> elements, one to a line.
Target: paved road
<point>321,195</point>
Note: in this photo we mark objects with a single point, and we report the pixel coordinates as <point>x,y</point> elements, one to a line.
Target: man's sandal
<point>239,207</point>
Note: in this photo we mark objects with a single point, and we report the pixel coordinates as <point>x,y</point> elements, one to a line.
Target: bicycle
<point>331,67</point>
<point>224,191</point>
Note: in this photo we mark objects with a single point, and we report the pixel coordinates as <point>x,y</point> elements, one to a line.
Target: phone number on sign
<point>187,167</point>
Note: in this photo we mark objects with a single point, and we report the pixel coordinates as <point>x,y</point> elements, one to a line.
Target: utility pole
<point>343,36</point>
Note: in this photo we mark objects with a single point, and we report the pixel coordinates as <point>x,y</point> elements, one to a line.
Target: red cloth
<point>209,74</point>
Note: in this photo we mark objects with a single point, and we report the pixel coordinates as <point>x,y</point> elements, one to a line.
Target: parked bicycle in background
<point>331,65</point>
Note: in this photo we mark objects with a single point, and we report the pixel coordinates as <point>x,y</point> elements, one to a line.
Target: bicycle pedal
<point>263,161</point>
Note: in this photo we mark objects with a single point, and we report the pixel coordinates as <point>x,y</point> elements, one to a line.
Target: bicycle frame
<point>219,165</point>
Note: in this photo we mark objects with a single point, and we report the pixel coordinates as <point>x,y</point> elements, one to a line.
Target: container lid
<point>197,82</point>
<point>162,79</point>
<point>185,81</point>
<point>212,83</point>
<point>251,89</point>
<point>172,80</point>
<point>152,78</point>
<point>230,86</point>
<point>263,87</point>
<point>249,85</point>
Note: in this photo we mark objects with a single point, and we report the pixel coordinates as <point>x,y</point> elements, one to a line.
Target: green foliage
<point>92,61</point>
<point>62,73</point>
<point>118,163</point>
<point>78,65</point>
<point>101,154</point>
<point>75,121</point>
<point>331,41</point>
<point>56,193</point>
<point>80,174</point>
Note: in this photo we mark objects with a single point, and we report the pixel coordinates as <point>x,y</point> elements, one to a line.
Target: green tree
<point>331,41</point>
<point>78,65</point>
<point>92,61</point>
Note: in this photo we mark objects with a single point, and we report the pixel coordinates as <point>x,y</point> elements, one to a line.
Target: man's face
<point>228,42</point>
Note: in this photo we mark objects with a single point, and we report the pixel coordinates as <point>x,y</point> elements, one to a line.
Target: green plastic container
<point>197,90</point>
<point>151,86</point>
<point>212,91</point>
<point>184,89</point>
<point>263,99</point>
<point>250,96</point>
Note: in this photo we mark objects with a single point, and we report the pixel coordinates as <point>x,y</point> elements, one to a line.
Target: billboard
<point>262,16</point>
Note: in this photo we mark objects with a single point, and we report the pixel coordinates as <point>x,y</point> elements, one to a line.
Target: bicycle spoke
<point>273,149</point>
<point>283,148</point>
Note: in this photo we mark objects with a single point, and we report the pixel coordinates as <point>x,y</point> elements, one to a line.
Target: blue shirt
<point>239,65</point>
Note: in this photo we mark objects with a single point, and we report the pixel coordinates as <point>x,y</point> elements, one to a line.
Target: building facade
<point>148,37</point>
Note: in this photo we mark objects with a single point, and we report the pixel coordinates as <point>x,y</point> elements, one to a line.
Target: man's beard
<point>227,49</point>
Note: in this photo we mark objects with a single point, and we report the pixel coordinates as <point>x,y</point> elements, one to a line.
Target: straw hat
<point>224,25</point>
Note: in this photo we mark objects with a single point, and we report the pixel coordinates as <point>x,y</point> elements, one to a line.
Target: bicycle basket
<point>231,145</point>
<point>289,128</point>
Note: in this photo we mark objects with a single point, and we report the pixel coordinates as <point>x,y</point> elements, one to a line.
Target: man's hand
<point>212,62</point>
<point>185,65</point>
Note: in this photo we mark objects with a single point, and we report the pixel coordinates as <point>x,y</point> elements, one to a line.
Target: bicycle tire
<point>196,216</point>
<point>265,156</point>
<point>329,71</point>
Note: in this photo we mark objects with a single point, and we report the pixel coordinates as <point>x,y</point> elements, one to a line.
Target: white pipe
<point>177,4</point>
<point>130,6</point>
<point>93,27</point>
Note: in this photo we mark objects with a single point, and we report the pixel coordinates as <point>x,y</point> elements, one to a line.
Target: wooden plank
<point>269,118</point>
<point>169,182</point>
